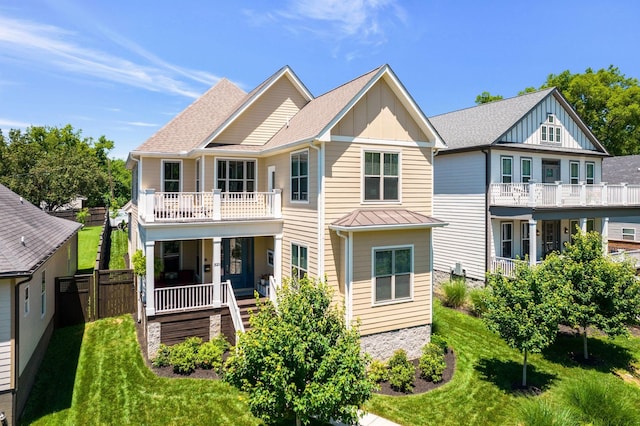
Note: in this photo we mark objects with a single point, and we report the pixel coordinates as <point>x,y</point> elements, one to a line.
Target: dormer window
<point>550,130</point>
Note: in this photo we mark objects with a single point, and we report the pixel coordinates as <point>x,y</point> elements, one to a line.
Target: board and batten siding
<point>5,335</point>
<point>266,116</point>
<point>527,130</point>
<point>394,316</point>
<point>459,200</point>
<point>379,115</point>
<point>343,190</point>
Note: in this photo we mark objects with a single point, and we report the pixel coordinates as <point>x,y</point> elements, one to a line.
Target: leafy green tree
<point>604,294</point>
<point>300,359</point>
<point>486,97</point>
<point>525,310</point>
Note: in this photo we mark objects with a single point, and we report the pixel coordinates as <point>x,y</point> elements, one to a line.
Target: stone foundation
<point>215,325</point>
<point>383,345</point>
<point>441,277</point>
<point>153,339</point>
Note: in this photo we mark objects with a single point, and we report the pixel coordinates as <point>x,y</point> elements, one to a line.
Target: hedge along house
<point>242,190</point>
<point>517,178</point>
<point>35,248</point>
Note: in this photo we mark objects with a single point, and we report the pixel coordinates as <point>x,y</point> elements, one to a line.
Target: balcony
<point>208,206</point>
<point>563,195</point>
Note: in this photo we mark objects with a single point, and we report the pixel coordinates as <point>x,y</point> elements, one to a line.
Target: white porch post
<point>558,193</point>
<point>533,240</point>
<point>217,203</point>
<point>605,235</point>
<point>277,262</point>
<point>583,224</point>
<point>277,203</point>
<point>217,247</point>
<point>150,296</point>
<point>583,193</point>
<point>149,199</point>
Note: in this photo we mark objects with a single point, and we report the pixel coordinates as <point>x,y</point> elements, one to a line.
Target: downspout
<point>348,288</point>
<point>16,373</point>
<point>487,218</point>
<point>320,209</point>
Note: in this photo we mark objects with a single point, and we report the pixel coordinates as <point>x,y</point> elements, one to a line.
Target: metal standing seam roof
<point>43,234</point>
<point>385,218</point>
<point>625,168</point>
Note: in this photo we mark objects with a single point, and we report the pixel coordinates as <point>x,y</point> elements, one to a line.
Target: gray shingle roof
<point>621,169</point>
<point>42,233</point>
<point>484,124</point>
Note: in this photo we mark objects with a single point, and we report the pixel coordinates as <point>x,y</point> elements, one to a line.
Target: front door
<point>550,171</point>
<point>550,236</point>
<point>237,263</point>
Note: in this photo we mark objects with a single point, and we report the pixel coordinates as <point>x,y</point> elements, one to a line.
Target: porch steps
<point>245,305</point>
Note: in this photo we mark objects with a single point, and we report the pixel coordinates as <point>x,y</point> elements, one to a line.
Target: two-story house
<point>516,179</point>
<point>241,190</point>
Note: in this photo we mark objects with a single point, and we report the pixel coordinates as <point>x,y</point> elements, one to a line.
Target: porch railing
<point>231,302</point>
<point>215,205</point>
<point>184,297</point>
<point>632,255</point>
<point>557,194</point>
<point>504,265</point>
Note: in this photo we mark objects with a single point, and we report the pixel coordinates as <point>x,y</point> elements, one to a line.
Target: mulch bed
<point>421,385</point>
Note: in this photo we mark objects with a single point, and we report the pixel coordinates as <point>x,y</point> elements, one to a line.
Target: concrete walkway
<point>370,420</point>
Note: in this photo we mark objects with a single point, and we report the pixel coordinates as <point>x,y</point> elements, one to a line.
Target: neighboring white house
<point>35,248</point>
<point>516,179</point>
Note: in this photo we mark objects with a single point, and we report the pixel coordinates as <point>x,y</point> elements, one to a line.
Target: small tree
<point>525,310</point>
<point>603,293</point>
<point>300,359</point>
<point>82,215</point>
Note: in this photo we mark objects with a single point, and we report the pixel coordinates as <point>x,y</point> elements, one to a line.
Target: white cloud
<point>13,124</point>
<point>52,46</point>
<point>141,124</point>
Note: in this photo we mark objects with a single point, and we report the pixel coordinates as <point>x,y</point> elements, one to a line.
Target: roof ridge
<point>351,81</point>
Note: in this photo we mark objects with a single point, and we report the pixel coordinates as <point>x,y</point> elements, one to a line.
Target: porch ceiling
<point>223,229</point>
<point>556,213</point>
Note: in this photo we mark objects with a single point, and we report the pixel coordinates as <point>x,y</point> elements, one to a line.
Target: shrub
<point>184,355</point>
<point>210,353</point>
<point>162,357</point>
<point>536,411</point>
<point>478,297</point>
<point>401,371</point>
<point>600,402</point>
<point>437,339</point>
<point>378,371</point>
<point>432,363</point>
<point>455,293</point>
<point>82,216</point>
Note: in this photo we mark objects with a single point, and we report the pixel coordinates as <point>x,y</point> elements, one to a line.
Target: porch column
<point>149,199</point>
<point>533,240</point>
<point>277,262</point>
<point>605,235</point>
<point>150,296</point>
<point>217,251</point>
<point>583,224</point>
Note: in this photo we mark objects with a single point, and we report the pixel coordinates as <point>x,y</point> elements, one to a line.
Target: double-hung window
<point>590,172</point>
<point>574,172</point>
<point>298,260</point>
<point>550,131</point>
<point>506,237</point>
<point>381,176</point>
<point>525,170</point>
<point>236,175</point>
<point>629,234</point>
<point>300,176</point>
<point>506,169</point>
<point>525,237</point>
<point>171,176</point>
<point>393,273</point>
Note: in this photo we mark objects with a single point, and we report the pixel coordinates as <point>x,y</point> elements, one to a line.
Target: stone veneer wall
<point>441,277</point>
<point>383,345</point>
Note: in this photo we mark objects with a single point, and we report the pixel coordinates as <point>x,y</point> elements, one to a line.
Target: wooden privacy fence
<point>88,297</point>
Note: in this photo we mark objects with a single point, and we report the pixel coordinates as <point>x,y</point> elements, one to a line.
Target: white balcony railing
<point>632,255</point>
<point>202,206</point>
<point>504,265</point>
<point>184,297</point>
<point>534,194</point>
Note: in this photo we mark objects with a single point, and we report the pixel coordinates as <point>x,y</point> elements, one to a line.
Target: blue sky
<point>124,68</point>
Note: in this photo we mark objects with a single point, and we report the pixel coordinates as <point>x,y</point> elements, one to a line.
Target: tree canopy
<point>300,360</point>
<point>51,166</point>
<point>606,100</point>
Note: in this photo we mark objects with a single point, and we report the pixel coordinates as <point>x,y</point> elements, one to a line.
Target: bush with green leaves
<point>432,363</point>
<point>455,293</point>
<point>210,353</point>
<point>478,299</point>
<point>378,371</point>
<point>162,357</point>
<point>437,339</point>
<point>184,355</point>
<point>401,371</point>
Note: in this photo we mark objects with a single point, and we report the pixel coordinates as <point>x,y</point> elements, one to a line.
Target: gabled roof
<point>387,219</point>
<point>189,129</point>
<point>43,234</point>
<point>621,169</point>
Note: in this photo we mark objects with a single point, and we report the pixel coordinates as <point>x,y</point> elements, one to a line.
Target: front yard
<point>95,374</point>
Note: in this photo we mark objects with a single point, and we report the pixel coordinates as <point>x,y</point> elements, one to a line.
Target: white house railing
<point>230,300</point>
<point>632,255</point>
<point>184,297</point>
<point>216,205</point>
<point>504,265</point>
<point>557,194</point>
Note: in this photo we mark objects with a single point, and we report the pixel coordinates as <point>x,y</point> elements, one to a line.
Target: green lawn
<point>119,248</point>
<point>88,239</point>
<point>95,374</point>
<point>480,391</point>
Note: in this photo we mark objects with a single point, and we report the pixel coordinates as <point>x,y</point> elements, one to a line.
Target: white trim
<point>631,234</point>
<point>26,301</point>
<point>170,160</point>
<point>502,175</point>
<point>43,294</point>
<point>393,227</point>
<point>522,160</point>
<point>291,265</point>
<point>586,175</point>
<point>291,154</point>
<point>577,178</point>
<point>363,152</point>
<point>393,300</point>
<point>502,239</point>
<point>271,182</point>
<point>270,257</point>
<point>198,180</point>
<point>320,209</point>
<point>357,139</point>
<point>244,179</point>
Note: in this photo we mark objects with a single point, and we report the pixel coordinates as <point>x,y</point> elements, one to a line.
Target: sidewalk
<point>370,420</point>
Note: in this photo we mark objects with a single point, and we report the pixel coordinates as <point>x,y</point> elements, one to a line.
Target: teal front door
<point>237,263</point>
